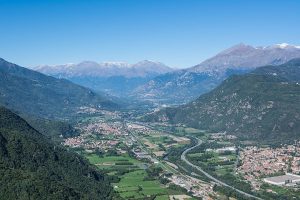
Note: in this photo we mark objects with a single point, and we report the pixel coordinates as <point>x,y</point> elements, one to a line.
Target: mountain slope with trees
<point>261,105</point>
<point>31,167</point>
<point>33,93</point>
<point>183,86</point>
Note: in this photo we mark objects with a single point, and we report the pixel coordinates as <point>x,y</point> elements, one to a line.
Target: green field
<point>161,142</point>
<point>113,164</point>
<point>133,185</point>
<point>183,131</point>
<point>217,160</point>
<point>289,193</point>
<point>162,197</point>
<point>194,155</point>
<point>159,139</point>
<point>94,159</point>
<point>224,169</point>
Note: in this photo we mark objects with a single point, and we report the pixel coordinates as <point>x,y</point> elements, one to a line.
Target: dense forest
<point>53,129</point>
<point>32,167</point>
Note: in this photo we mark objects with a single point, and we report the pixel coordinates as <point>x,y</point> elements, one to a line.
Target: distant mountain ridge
<point>248,57</point>
<point>32,93</point>
<point>262,105</point>
<point>115,78</point>
<point>143,68</point>
<point>182,86</point>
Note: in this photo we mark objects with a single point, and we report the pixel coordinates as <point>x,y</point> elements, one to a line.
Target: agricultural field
<point>95,159</point>
<point>183,131</point>
<point>134,181</point>
<point>114,164</point>
<point>158,142</point>
<point>134,185</point>
<point>220,163</point>
<point>129,154</point>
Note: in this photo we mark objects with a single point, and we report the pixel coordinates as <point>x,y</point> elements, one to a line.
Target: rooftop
<point>283,178</point>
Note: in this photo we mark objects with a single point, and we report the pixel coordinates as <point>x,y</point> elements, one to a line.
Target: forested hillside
<point>31,167</point>
<point>52,129</point>
<point>262,105</point>
<point>33,93</point>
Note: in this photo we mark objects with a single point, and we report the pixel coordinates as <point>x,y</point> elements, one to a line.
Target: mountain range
<point>114,78</point>
<point>262,105</point>
<point>229,92</point>
<point>182,86</point>
<point>143,68</point>
<point>157,83</point>
<point>35,94</point>
<point>242,56</point>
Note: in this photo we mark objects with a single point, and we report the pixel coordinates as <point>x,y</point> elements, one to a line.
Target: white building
<point>287,179</point>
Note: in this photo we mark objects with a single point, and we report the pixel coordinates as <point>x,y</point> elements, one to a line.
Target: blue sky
<point>179,33</point>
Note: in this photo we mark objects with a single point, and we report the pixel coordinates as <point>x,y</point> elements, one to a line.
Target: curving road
<point>183,157</point>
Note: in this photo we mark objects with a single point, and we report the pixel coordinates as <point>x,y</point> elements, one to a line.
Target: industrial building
<point>284,180</point>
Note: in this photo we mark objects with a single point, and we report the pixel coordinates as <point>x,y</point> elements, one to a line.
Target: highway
<point>183,158</point>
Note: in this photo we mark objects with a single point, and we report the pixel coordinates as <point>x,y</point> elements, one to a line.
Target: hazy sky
<point>177,33</point>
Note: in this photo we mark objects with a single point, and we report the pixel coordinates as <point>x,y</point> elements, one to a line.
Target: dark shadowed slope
<point>33,93</point>
<point>31,167</point>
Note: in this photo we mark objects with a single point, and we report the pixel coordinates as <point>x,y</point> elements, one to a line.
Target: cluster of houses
<point>258,162</point>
